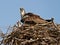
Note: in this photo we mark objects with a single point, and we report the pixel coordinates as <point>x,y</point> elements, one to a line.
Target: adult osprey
<point>31,18</point>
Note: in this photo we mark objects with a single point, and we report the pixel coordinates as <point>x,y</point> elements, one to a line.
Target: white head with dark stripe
<point>22,12</point>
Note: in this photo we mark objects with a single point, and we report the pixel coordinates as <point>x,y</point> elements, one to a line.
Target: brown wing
<point>34,18</point>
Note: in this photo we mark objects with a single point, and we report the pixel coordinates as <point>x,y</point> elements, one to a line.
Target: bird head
<point>22,12</point>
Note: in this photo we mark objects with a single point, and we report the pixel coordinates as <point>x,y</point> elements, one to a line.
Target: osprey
<point>22,12</point>
<point>30,18</point>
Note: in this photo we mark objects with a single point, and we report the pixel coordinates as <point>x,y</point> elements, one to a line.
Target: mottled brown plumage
<point>33,17</point>
<point>30,18</point>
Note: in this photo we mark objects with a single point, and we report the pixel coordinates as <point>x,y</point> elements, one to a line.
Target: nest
<point>33,31</point>
<point>39,34</point>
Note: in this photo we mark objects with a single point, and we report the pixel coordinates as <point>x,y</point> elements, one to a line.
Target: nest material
<point>33,31</point>
<point>39,34</point>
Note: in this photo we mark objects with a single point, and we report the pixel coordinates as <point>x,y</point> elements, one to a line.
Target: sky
<point>10,14</point>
